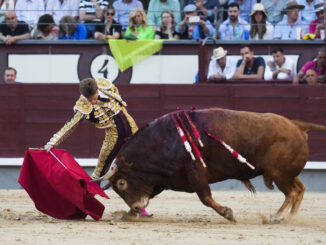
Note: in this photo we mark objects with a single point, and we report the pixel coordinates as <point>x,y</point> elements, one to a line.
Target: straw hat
<point>291,5</point>
<point>218,53</point>
<point>258,7</point>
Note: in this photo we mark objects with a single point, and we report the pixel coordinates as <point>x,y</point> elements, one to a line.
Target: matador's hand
<point>48,147</point>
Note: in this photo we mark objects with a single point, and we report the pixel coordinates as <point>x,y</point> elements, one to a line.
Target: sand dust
<point>179,218</point>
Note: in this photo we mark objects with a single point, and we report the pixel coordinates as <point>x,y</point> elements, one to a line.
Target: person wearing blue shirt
<point>249,67</point>
<point>70,29</point>
<point>287,29</point>
<point>234,27</point>
<point>193,27</point>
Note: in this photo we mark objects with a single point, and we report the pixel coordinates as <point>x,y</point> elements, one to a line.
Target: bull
<point>154,159</point>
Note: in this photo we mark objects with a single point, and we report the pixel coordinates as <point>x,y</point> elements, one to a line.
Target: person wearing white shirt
<point>280,67</point>
<point>220,67</point>
<point>60,8</point>
<point>29,11</point>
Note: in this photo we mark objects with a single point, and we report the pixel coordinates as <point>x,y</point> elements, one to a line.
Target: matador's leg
<point>110,140</point>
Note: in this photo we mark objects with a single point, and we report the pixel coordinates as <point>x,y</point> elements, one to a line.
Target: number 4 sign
<point>104,66</point>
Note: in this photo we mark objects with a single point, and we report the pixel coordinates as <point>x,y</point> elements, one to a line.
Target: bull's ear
<point>125,166</point>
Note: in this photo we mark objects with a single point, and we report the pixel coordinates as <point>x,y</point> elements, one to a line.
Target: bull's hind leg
<point>288,188</point>
<point>300,188</point>
<point>198,182</point>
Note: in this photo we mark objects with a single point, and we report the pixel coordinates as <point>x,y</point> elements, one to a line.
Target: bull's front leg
<point>198,181</point>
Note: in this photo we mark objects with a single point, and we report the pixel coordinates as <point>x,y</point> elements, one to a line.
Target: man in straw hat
<point>317,25</point>
<point>292,27</point>
<point>220,67</point>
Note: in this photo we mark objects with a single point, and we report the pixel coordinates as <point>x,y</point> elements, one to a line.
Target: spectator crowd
<point>278,67</point>
<point>161,19</point>
<point>179,19</point>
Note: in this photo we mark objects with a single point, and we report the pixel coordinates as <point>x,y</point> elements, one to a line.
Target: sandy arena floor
<point>179,218</point>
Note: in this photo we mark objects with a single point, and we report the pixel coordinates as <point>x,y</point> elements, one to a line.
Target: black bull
<point>155,159</point>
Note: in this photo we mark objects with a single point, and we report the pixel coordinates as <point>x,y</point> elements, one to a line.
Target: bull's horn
<point>112,170</point>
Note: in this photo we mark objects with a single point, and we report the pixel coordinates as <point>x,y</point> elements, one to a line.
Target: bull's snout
<point>137,206</point>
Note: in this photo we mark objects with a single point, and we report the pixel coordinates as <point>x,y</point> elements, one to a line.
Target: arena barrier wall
<point>32,113</point>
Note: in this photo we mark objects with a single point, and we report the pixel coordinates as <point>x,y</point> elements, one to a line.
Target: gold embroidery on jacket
<point>66,130</point>
<point>83,105</point>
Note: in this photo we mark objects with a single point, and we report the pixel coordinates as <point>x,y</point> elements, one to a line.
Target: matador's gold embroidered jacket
<point>101,114</point>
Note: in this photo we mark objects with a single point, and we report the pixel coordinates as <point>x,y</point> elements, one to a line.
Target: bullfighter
<point>101,104</point>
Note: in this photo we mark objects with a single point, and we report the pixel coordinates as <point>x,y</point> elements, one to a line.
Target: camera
<point>194,19</point>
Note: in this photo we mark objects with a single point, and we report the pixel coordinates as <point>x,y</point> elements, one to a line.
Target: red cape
<point>60,191</point>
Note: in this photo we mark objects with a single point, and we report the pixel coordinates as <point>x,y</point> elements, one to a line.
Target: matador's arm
<point>66,130</point>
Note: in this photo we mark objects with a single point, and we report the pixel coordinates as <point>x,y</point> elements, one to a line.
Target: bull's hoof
<point>133,213</point>
<point>274,220</point>
<point>229,215</point>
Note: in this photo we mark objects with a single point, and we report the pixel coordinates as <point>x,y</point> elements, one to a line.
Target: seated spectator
<point>280,67</point>
<point>193,27</point>
<point>29,11</point>
<point>245,7</point>
<point>4,6</point>
<point>10,75</point>
<point>220,67</point>
<point>318,65</point>
<point>167,27</point>
<point>274,10</point>
<point>288,28</point>
<point>12,30</point>
<point>138,25</point>
<point>70,29</point>
<point>234,27</point>
<point>260,29</point>
<point>249,67</point>
<point>317,24</point>
<point>311,77</point>
<point>46,29</point>
<point>308,14</point>
<point>123,9</point>
<point>109,29</point>
<point>156,7</point>
<point>60,8</point>
<point>206,8</point>
<point>90,13</point>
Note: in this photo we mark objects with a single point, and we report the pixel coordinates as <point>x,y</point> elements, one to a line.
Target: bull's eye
<point>122,184</point>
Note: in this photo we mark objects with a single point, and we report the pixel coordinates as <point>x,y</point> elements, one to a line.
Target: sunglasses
<point>110,13</point>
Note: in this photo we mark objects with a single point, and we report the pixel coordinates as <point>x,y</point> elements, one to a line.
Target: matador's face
<point>93,98</point>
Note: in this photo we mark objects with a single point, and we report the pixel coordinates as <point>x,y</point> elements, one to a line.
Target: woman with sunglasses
<point>109,29</point>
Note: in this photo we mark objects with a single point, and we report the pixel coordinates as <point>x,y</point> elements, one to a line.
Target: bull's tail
<point>306,126</point>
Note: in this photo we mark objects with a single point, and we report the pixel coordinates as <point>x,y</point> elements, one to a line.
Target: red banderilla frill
<point>194,147</point>
<point>231,150</point>
<point>194,129</point>
<point>183,137</point>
